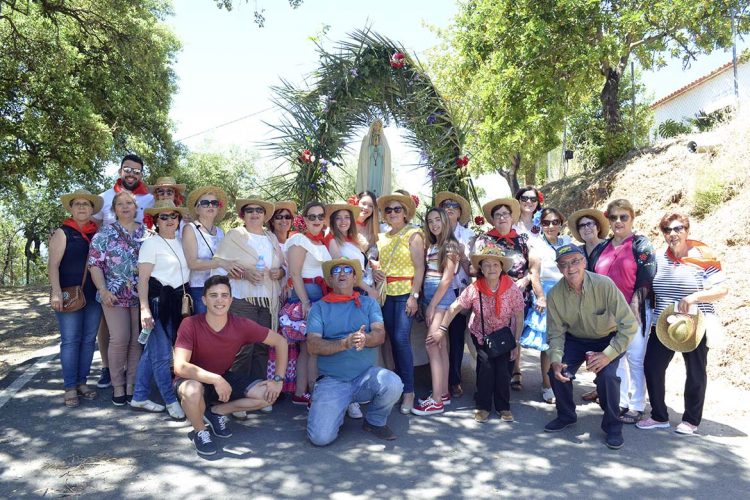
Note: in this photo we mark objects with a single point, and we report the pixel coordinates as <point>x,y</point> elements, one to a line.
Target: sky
<point>228,65</point>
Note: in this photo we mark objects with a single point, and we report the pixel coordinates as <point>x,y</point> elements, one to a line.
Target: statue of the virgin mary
<point>374,172</point>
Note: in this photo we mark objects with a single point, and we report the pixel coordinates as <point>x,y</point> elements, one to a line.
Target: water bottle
<point>260,266</point>
<point>143,337</point>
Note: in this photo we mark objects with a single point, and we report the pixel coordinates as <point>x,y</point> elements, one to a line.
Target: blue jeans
<point>314,293</point>
<point>331,397</point>
<point>77,342</point>
<point>398,328</point>
<point>196,292</point>
<point>156,361</point>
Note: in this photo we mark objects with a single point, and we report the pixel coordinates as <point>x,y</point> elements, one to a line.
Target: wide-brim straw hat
<point>465,205</point>
<point>197,194</point>
<point>405,200</point>
<point>680,332</point>
<point>330,264</point>
<point>286,205</point>
<point>515,208</point>
<point>165,206</point>
<point>591,213</point>
<point>167,182</point>
<point>254,200</point>
<point>495,253</point>
<point>82,194</point>
<point>335,207</point>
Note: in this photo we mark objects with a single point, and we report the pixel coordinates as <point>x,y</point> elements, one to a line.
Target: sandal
<point>515,383</point>
<point>590,396</point>
<point>71,398</point>
<point>86,392</point>
<point>631,417</point>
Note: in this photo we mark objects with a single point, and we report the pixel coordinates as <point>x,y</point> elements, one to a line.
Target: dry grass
<point>667,177</point>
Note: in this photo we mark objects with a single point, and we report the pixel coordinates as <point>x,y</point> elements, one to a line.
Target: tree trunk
<point>511,175</point>
<point>610,102</point>
<point>530,174</point>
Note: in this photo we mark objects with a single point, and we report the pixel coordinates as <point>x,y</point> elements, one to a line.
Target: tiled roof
<point>692,85</point>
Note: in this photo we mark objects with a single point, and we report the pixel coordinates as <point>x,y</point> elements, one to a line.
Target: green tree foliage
<point>258,13</point>
<point>671,128</point>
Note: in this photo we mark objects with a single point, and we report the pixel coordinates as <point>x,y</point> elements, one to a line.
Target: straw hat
<point>82,194</point>
<point>286,205</point>
<point>495,253</point>
<point>591,213</point>
<point>405,200</point>
<point>167,182</point>
<point>254,200</point>
<point>465,205</point>
<point>165,206</point>
<point>335,207</point>
<point>680,332</point>
<point>197,194</point>
<point>330,264</point>
<point>515,208</point>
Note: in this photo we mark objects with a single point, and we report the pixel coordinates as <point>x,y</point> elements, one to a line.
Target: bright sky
<point>228,65</point>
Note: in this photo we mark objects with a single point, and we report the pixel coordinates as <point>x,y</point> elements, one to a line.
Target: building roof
<point>692,85</point>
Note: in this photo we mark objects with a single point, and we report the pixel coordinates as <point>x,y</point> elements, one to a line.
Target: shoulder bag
<point>500,341</point>
<point>187,301</point>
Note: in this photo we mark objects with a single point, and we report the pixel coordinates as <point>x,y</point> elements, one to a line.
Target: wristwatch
<point>277,378</point>
<point>415,295</point>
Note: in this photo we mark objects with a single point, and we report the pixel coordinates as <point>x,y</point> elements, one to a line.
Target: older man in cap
<point>587,320</point>
<point>342,330</point>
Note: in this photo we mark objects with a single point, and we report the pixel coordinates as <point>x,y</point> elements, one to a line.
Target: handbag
<point>187,301</point>
<point>72,296</point>
<point>500,341</point>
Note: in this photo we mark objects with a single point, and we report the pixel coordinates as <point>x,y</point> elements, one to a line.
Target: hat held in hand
<point>680,332</point>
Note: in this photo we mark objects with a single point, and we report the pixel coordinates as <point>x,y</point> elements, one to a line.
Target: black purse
<point>500,341</point>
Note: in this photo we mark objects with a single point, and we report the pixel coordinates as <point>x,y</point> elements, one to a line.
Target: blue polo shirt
<point>336,321</point>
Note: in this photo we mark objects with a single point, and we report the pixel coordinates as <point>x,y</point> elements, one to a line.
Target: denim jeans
<point>77,342</point>
<point>398,328</point>
<point>196,292</point>
<point>314,293</point>
<point>156,361</point>
<point>331,397</point>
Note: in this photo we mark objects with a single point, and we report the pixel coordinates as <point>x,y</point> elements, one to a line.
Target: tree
<point>259,18</point>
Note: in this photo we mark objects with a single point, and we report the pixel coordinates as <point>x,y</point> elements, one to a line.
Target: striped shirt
<point>675,281</point>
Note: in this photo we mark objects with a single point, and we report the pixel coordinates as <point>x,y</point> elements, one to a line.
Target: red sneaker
<point>445,398</point>
<point>302,400</point>
<point>428,407</point>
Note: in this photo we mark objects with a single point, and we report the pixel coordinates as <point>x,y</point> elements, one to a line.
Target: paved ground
<point>98,449</point>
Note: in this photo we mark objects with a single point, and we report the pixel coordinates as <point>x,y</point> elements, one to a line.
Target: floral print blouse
<point>115,251</point>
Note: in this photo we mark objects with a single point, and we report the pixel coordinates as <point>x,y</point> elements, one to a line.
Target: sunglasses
<point>572,263</point>
<point>164,191</point>
<point>396,210</point>
<point>450,204</point>
<point>282,216</point>
<point>528,199</point>
<point>131,170</point>
<point>313,217</point>
<point>615,218</point>
<point>342,269</point>
<point>586,225</point>
<point>208,203</point>
<point>676,229</point>
<point>256,210</point>
<point>548,223</point>
<point>172,216</point>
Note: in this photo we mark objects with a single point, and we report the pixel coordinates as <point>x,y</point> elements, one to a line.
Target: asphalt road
<point>98,450</point>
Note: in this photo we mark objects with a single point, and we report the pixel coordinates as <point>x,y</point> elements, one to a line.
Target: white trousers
<point>630,371</point>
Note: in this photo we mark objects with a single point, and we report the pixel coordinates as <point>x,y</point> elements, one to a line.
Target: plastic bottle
<point>260,266</point>
<point>143,337</point>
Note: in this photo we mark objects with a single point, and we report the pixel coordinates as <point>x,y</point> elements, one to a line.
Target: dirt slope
<point>666,177</point>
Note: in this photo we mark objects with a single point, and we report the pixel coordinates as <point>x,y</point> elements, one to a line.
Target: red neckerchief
<point>335,298</point>
<point>319,238</point>
<point>139,189</point>
<point>508,237</point>
<point>88,229</point>
<point>327,239</point>
<point>707,259</point>
<point>483,287</point>
<point>363,224</point>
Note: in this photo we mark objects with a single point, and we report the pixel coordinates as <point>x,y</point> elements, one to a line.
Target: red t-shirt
<point>215,351</point>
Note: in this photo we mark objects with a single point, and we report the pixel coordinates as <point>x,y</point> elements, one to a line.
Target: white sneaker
<point>175,411</point>
<point>354,411</point>
<point>240,415</point>
<point>146,405</point>
<point>686,428</point>
<point>267,409</point>
<point>548,395</point>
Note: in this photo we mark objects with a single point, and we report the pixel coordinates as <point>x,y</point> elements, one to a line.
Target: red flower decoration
<point>478,220</point>
<point>463,161</point>
<point>398,60</point>
<point>415,199</point>
<point>643,257</point>
<point>541,197</point>
<point>221,204</point>
<point>306,156</point>
<point>606,214</point>
<point>353,200</point>
<point>299,224</point>
<point>148,220</point>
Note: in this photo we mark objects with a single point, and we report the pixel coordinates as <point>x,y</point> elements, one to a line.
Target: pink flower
<point>415,199</point>
<point>398,60</point>
<point>353,200</point>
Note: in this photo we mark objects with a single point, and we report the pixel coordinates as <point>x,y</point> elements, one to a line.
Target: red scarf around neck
<point>139,189</point>
<point>505,284</point>
<point>707,259</point>
<point>319,238</point>
<point>508,237</point>
<point>86,231</point>
<point>335,298</point>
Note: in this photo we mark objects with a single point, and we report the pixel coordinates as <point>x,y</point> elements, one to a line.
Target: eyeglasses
<point>256,210</point>
<point>208,203</point>
<point>172,216</point>
<point>389,210</point>
<point>164,191</point>
<point>548,223</point>
<point>342,269</point>
<point>586,225</point>
<point>528,199</point>
<point>501,215</point>
<point>450,204</point>
<point>569,264</point>
<point>615,218</point>
<point>313,217</point>
<point>282,216</point>
<point>676,229</point>
<point>131,170</point>
<point>81,204</point>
